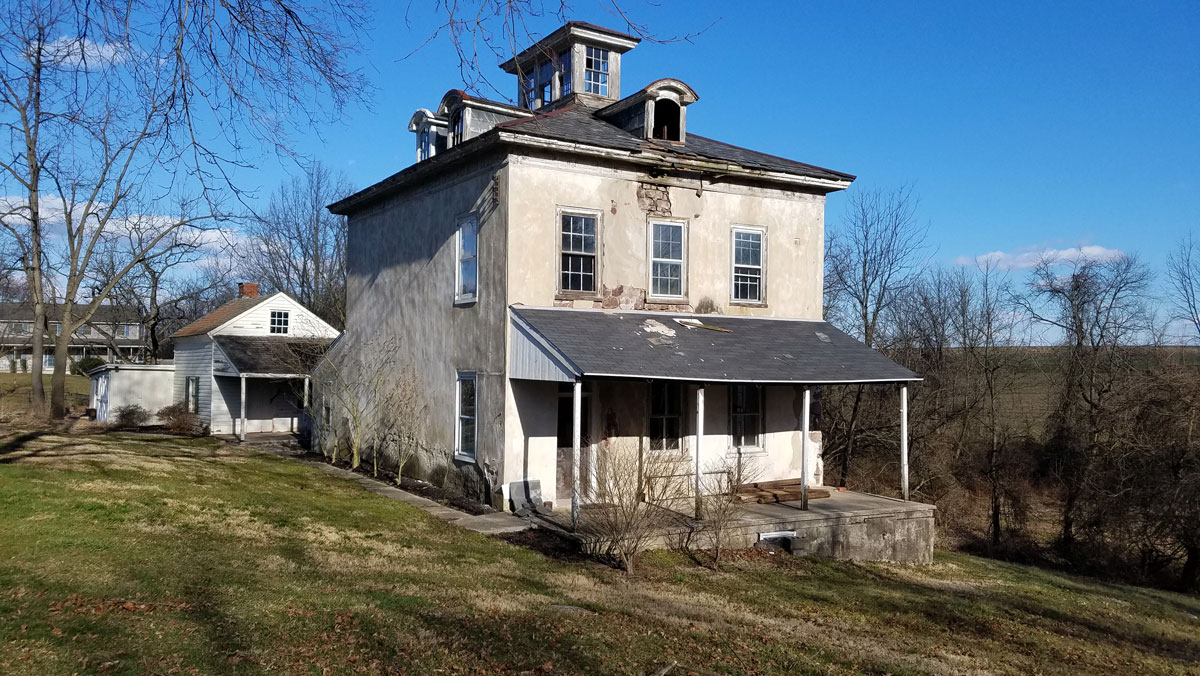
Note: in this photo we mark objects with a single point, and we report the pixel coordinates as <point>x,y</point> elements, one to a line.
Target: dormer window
<point>424,145</point>
<point>456,127</point>
<point>666,120</point>
<point>595,72</point>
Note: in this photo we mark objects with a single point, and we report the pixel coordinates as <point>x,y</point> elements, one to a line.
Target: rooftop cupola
<point>579,58</point>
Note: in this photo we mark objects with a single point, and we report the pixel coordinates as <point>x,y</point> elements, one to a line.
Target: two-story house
<point>585,267</point>
<point>114,334</point>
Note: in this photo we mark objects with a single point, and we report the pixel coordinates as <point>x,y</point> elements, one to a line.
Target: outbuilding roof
<point>221,315</point>
<point>703,348</point>
<point>274,355</point>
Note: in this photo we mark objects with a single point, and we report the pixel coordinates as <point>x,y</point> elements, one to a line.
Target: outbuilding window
<point>666,259</point>
<point>467,281</point>
<point>464,443</point>
<point>745,416</point>
<point>279,321</point>
<point>747,265</point>
<point>578,267</point>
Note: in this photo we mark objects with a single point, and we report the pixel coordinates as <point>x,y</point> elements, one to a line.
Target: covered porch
<point>718,394</point>
<point>262,385</point>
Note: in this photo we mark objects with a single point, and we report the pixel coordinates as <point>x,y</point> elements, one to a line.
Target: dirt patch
<point>546,543</point>
<point>444,497</point>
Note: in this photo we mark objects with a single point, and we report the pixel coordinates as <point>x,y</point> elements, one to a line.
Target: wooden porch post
<point>242,426</point>
<point>699,441</point>
<point>576,433</point>
<point>804,428</point>
<point>904,441</point>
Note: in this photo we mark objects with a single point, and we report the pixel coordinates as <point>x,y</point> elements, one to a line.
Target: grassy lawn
<point>135,554</point>
<point>15,389</point>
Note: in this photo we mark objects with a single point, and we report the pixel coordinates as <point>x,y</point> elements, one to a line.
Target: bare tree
<point>872,261</point>
<point>109,109</point>
<point>299,247</point>
<point>1183,274</point>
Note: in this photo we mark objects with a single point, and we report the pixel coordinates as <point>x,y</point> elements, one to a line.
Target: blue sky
<point>1022,126</point>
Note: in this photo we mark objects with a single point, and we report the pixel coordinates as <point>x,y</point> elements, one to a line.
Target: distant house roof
<point>713,348</point>
<point>580,125</point>
<point>105,314</point>
<point>219,316</point>
<point>283,356</point>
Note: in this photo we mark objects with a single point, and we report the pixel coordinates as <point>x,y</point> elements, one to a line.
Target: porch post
<point>576,424</point>
<point>804,428</point>
<point>242,427</point>
<point>904,441</point>
<point>304,404</point>
<point>699,441</point>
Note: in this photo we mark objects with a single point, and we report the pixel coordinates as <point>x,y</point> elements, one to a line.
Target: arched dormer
<point>657,112</point>
<point>430,133</point>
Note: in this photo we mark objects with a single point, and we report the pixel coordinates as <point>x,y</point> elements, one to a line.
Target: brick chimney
<point>247,290</point>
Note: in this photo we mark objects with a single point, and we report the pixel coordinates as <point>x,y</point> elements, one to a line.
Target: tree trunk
<point>58,381</point>
<point>850,436</point>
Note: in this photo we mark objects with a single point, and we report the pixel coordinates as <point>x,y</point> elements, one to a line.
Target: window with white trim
<point>745,416</point>
<point>191,394</point>
<point>279,321</point>
<point>666,415</point>
<point>466,288</point>
<point>747,265</point>
<point>595,71</point>
<point>667,259</point>
<point>464,438</point>
<point>578,263</point>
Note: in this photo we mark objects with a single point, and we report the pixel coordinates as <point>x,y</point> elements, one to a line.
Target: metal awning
<point>564,344</point>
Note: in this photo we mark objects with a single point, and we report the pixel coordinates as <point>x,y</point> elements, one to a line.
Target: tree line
<point>1056,417</point>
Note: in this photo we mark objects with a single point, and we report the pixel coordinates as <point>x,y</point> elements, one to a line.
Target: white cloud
<point>1028,257</point>
<point>85,52</point>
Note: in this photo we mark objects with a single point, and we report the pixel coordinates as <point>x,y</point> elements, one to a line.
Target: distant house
<point>243,368</point>
<point>114,334</point>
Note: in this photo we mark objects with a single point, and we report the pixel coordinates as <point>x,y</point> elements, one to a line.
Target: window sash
<point>747,273</point>
<point>577,235</point>
<point>279,321</point>
<point>466,414</point>
<point>467,276</point>
<point>667,246</point>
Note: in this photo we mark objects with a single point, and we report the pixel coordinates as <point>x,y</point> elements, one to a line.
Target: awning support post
<point>804,444</point>
<point>304,404</point>
<point>904,441</point>
<point>699,443</point>
<point>576,433</point>
<point>242,426</point>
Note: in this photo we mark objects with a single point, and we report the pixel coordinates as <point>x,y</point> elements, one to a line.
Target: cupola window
<point>595,73</point>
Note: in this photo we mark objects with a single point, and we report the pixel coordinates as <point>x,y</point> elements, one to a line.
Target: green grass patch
<point>132,554</point>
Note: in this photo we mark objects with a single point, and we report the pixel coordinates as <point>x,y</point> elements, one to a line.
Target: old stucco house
<point>586,266</point>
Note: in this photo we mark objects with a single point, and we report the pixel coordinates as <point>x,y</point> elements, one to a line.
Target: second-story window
<point>595,72</point>
<point>467,280</point>
<point>666,259</point>
<point>578,270</point>
<point>747,265</point>
<point>279,321</point>
<point>126,330</point>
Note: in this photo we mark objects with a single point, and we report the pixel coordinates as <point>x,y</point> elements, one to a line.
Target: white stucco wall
<point>147,386</point>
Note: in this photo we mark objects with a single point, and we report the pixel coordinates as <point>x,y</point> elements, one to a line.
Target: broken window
<point>279,321</point>
<point>667,120</point>
<point>666,259</point>
<point>578,271</point>
<point>464,443</point>
<point>747,265</point>
<point>528,84</point>
<point>745,416</point>
<point>666,415</point>
<point>467,286</point>
<point>595,71</point>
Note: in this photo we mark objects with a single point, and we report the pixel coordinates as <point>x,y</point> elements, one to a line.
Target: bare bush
<point>720,505</point>
<point>635,491</point>
<point>130,417</point>
<point>177,419</point>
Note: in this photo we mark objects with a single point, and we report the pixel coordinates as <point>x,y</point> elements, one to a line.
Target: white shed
<point>117,385</point>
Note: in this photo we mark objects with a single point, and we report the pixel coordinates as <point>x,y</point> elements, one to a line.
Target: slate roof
<point>219,316</point>
<point>656,345</point>
<point>579,124</point>
<point>263,354</point>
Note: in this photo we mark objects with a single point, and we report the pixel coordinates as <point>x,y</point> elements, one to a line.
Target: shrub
<point>12,365</point>
<point>131,416</point>
<point>86,364</point>
<point>24,365</point>
<point>178,420</point>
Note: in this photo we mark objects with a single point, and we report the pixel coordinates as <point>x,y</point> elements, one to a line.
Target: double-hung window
<point>467,276</point>
<point>464,442</point>
<point>747,265</point>
<point>279,321</point>
<point>745,416</point>
<point>667,259</point>
<point>666,415</point>
<point>578,263</point>
<point>595,72</point>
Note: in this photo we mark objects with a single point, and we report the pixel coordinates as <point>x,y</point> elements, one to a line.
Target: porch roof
<point>281,356</point>
<point>564,344</point>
